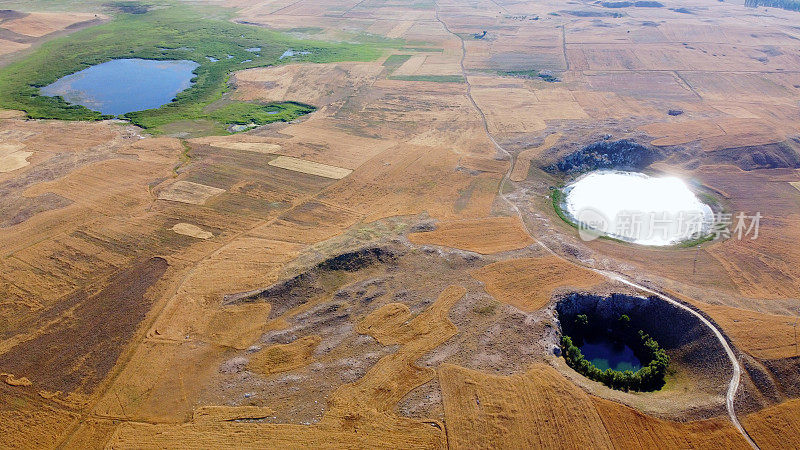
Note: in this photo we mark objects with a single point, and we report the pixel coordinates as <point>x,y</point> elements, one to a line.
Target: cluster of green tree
<point>791,5</point>
<point>649,378</point>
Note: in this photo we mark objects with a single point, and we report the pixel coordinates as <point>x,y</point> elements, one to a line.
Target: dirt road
<point>733,385</point>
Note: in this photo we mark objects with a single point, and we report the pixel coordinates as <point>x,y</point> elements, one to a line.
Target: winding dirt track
<point>733,386</point>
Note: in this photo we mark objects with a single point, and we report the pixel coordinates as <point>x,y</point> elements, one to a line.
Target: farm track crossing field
<point>485,410</point>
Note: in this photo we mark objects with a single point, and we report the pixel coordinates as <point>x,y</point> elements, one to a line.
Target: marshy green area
<point>170,31</point>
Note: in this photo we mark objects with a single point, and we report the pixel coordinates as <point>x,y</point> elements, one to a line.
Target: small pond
<point>124,85</point>
<point>605,354</point>
<point>289,53</point>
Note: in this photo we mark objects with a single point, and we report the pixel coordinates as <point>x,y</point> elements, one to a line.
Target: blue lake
<point>124,85</point>
<point>605,354</point>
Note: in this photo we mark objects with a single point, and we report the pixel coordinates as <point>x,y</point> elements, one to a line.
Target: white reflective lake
<point>637,208</point>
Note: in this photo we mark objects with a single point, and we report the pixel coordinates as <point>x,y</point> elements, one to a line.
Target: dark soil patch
<point>76,351</point>
<point>300,289</point>
<point>15,210</point>
<point>785,372</point>
<point>128,7</point>
<point>12,36</point>
<point>782,155</point>
<point>7,15</point>
<point>624,154</point>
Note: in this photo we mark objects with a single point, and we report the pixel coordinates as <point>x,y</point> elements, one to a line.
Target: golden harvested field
<point>775,427</point>
<point>282,358</point>
<point>529,283</point>
<point>310,167</point>
<point>187,229</point>
<point>189,192</point>
<point>301,82</point>
<point>715,135</point>
<point>38,24</point>
<point>768,336</point>
<point>523,164</point>
<point>386,271</point>
<point>361,410</point>
<point>485,236</point>
<point>7,47</point>
<point>628,428</point>
<point>11,160</point>
<point>487,411</point>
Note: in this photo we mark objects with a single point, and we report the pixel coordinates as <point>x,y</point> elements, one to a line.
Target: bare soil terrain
<point>383,271</point>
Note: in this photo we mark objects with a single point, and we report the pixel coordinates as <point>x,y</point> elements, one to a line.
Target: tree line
<point>649,378</point>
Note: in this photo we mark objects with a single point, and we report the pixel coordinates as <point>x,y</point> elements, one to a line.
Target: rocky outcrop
<point>624,154</point>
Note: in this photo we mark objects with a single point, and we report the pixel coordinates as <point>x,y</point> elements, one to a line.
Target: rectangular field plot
<point>310,167</point>
<point>188,192</point>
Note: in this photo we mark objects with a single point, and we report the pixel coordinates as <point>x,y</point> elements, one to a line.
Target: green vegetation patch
<point>485,310</point>
<point>557,197</point>
<point>433,78</point>
<point>171,32</point>
<point>696,241</point>
<point>395,61</point>
<point>654,359</point>
<point>250,113</point>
